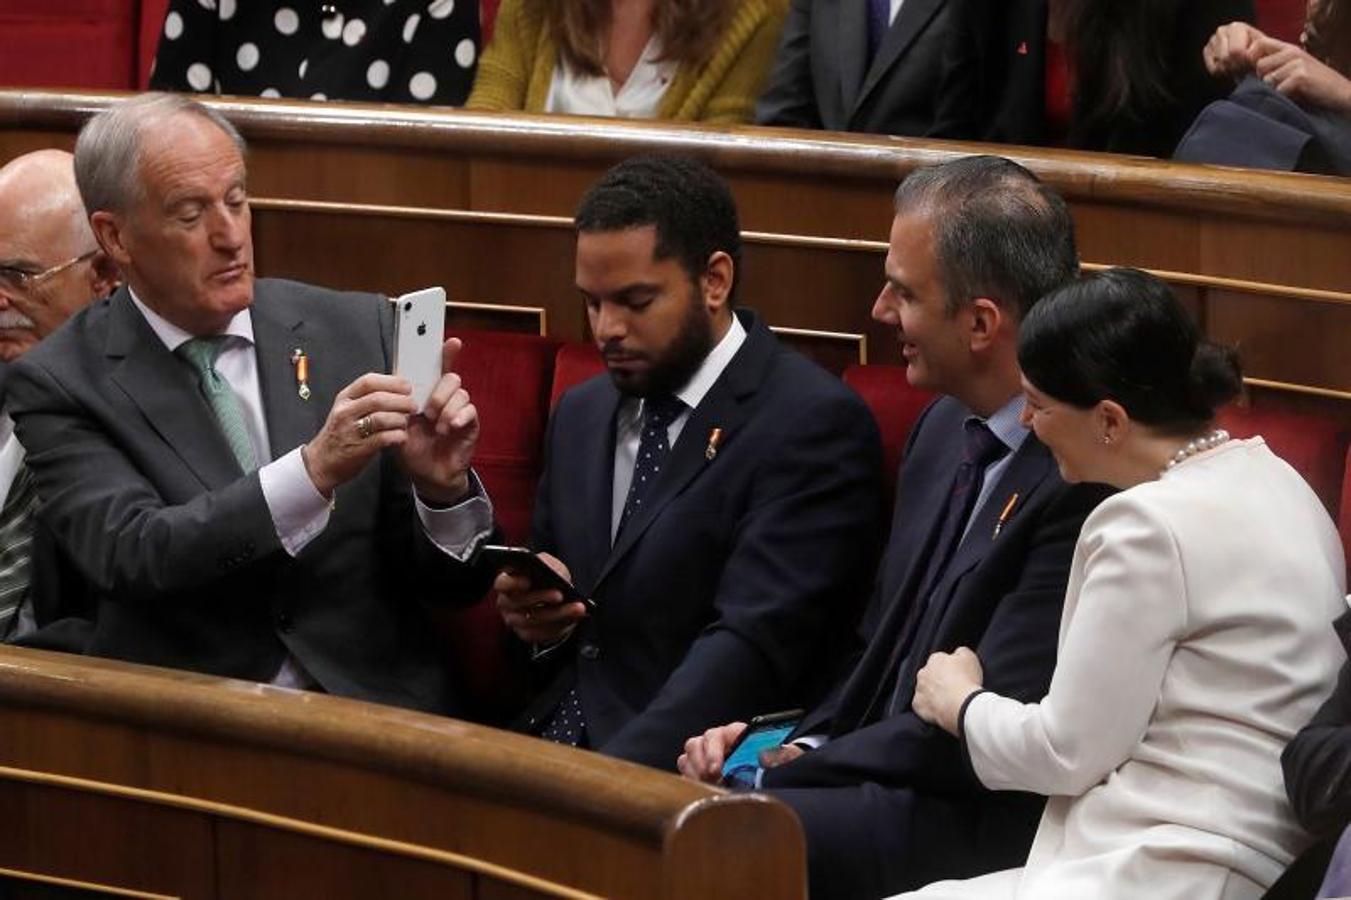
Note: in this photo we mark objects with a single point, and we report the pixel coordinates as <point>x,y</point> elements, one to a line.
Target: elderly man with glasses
<point>50,267</point>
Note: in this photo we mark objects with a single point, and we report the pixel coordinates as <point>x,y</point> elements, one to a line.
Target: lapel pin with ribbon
<point>714,439</point>
<point>1004,515</point>
<point>302,364</point>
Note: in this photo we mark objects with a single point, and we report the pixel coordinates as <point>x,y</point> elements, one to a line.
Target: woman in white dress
<point>1196,637</point>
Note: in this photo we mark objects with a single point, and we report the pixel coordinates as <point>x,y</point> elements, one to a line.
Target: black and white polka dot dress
<point>399,51</point>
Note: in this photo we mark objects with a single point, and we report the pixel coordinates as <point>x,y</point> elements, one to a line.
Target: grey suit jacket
<point>172,548</point>
<point>822,78</point>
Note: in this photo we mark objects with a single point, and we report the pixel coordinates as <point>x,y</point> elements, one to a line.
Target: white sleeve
<point>1124,623</point>
<point>299,512</point>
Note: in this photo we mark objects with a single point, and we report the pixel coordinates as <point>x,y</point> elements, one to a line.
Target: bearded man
<point>715,494</point>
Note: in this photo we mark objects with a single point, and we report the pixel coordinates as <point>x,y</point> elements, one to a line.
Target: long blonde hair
<point>687,29</point>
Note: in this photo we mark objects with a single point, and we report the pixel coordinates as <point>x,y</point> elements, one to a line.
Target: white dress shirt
<point>895,8</point>
<point>299,512</point>
<point>11,456</point>
<point>593,95</point>
<point>629,422</point>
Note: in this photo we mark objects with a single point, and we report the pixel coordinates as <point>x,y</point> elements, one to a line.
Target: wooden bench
<point>119,777</point>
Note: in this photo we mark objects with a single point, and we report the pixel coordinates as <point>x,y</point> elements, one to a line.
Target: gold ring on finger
<point>365,427</point>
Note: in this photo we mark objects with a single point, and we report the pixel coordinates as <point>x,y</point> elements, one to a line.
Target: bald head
<point>43,226</point>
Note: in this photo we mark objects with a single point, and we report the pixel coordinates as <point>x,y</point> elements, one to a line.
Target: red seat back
<point>1282,19</point>
<point>509,377</point>
<point>1314,445</point>
<point>575,363</point>
<point>894,404</point>
<point>68,43</point>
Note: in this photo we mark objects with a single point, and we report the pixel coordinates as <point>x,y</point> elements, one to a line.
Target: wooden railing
<point>143,782</point>
<point>392,198</point>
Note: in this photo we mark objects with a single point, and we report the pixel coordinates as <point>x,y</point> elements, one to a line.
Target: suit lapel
<point>278,331</point>
<point>852,56</point>
<point>722,407</point>
<point>166,392</point>
<point>912,18</point>
<point>597,433</point>
<point>1026,473</point>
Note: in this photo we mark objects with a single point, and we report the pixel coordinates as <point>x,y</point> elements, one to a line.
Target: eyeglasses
<point>17,279</point>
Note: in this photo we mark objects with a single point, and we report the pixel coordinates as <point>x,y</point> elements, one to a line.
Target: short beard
<point>678,362</point>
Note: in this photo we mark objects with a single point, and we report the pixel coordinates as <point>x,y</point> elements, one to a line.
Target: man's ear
<point>717,280</point>
<point>987,319</point>
<point>108,231</point>
<point>103,277</point>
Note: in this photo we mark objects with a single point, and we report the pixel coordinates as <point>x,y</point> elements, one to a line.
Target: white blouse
<point>579,94</point>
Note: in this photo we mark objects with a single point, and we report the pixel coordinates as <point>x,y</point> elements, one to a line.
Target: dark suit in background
<point>1317,766</point>
<point>174,547</point>
<point>724,597</point>
<point>889,802</point>
<point>822,77</point>
<point>994,78</point>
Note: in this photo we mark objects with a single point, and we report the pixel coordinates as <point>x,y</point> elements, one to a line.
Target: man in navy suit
<point>715,494</point>
<point>979,553</point>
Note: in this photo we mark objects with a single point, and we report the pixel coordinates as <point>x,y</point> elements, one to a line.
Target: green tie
<point>201,353</point>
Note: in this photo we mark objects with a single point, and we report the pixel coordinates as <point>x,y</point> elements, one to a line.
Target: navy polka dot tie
<point>659,411</point>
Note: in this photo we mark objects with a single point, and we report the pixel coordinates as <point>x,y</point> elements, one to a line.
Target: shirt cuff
<point>811,741</point>
<point>458,530</point>
<point>299,512</point>
<point>542,651</point>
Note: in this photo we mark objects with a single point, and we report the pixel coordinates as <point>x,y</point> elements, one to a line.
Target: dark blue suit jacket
<point>906,808</point>
<point>742,573</point>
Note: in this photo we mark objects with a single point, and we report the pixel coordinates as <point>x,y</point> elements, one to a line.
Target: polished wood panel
<point>186,785</point>
<point>391,198</point>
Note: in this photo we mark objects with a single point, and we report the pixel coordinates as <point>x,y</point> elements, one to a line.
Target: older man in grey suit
<point>857,65</point>
<point>224,465</point>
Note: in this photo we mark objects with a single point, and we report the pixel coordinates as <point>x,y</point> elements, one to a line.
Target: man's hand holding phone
<point>537,614</point>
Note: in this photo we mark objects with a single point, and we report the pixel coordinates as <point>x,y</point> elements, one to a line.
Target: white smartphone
<point>419,332</point>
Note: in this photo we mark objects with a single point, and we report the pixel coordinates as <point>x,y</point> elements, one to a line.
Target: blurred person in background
<point>699,60</point>
<point>398,51</point>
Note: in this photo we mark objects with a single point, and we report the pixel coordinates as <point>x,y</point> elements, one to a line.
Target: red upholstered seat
<point>151,27</point>
<point>1314,445</point>
<point>68,43</point>
<point>1282,19</point>
<point>894,403</point>
<point>508,376</point>
<point>575,364</point>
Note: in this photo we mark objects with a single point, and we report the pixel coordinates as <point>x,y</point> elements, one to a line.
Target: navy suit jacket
<point>822,77</point>
<point>741,574</point>
<point>171,548</point>
<point>1001,595</point>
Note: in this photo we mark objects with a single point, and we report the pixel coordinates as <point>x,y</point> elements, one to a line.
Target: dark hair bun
<point>1214,379</point>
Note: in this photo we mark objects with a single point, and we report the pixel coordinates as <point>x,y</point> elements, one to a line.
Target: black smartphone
<point>524,561</point>
<point>763,733</point>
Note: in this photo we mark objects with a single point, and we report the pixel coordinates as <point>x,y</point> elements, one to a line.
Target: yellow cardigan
<point>517,67</point>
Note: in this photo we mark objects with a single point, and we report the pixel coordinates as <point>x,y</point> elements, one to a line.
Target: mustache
<point>616,351</point>
<point>10,318</point>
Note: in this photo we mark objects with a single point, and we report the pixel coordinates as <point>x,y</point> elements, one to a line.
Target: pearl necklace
<point>1197,445</point>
